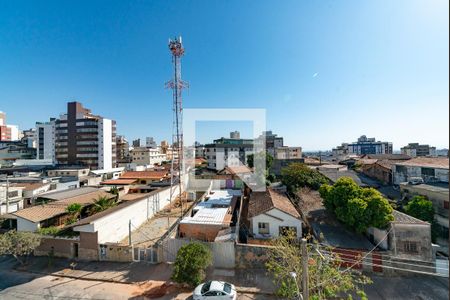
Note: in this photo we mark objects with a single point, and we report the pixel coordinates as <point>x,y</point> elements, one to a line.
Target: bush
<point>191,262</point>
<point>52,230</point>
<point>18,244</point>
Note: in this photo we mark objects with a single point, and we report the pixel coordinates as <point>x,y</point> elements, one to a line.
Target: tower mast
<point>177,85</point>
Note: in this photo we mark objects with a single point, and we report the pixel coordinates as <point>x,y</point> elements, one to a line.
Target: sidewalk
<point>246,281</point>
<point>135,272</point>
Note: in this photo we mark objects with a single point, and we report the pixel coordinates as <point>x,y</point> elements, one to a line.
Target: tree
<point>358,208</point>
<point>421,208</point>
<point>326,279</point>
<point>102,203</point>
<point>264,155</point>
<point>298,175</point>
<point>190,264</point>
<point>18,244</point>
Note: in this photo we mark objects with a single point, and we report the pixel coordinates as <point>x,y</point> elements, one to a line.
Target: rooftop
<point>261,202</point>
<point>70,193</point>
<point>216,210</point>
<point>144,175</point>
<point>46,211</point>
<point>359,178</point>
<point>31,186</point>
<point>441,187</point>
<point>402,218</point>
<point>118,181</point>
<point>430,162</point>
<point>387,156</point>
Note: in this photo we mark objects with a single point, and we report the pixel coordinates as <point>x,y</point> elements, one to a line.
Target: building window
<point>410,247</point>
<point>263,228</point>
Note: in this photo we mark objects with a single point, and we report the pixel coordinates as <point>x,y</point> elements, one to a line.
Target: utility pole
<point>129,232</point>
<point>304,270</point>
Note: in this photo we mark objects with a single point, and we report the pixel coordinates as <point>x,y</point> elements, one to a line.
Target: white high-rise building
<point>45,140</point>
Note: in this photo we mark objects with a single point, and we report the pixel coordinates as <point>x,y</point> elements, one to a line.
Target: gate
<point>146,254</point>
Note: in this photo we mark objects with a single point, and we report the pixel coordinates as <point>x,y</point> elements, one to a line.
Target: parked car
<point>215,290</point>
<point>415,180</point>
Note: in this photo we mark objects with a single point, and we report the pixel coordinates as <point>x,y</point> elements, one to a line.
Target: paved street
<point>97,280</point>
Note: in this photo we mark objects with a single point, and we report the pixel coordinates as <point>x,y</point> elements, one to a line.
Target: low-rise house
<point>209,217</point>
<point>271,214</point>
<point>146,177</point>
<point>430,169</point>
<point>381,170</point>
<point>279,164</point>
<point>407,237</point>
<point>147,156</point>
<point>32,190</point>
<point>52,210</point>
<point>11,198</point>
<point>438,194</point>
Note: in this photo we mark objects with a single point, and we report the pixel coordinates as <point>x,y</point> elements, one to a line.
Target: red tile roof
<point>431,162</point>
<point>119,181</point>
<point>144,175</point>
<point>261,202</point>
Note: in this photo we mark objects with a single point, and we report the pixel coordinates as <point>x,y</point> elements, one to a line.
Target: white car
<point>215,290</point>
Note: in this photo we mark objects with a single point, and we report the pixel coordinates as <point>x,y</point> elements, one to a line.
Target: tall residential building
<point>228,152</point>
<point>122,149</point>
<point>82,138</point>
<point>364,145</point>
<point>286,152</point>
<point>45,140</point>
<point>28,137</point>
<point>150,142</point>
<point>271,141</point>
<point>415,150</point>
<point>143,156</point>
<point>136,143</point>
<point>235,135</point>
<point>8,132</point>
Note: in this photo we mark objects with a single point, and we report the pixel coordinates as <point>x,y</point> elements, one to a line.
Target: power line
<point>350,267</point>
<point>389,261</point>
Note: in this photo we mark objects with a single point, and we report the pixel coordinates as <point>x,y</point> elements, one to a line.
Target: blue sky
<point>326,71</point>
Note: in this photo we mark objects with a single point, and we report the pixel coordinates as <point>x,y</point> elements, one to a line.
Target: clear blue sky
<point>326,71</point>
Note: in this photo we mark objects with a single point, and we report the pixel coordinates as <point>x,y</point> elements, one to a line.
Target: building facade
<point>416,150</point>
<point>82,138</point>
<point>122,150</point>
<point>228,152</point>
<point>45,140</point>
<point>286,152</point>
<point>8,132</point>
<point>150,142</point>
<point>430,169</point>
<point>147,156</point>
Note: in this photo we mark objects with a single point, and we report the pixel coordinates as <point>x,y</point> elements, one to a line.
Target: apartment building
<point>228,152</point>
<point>144,156</point>
<point>416,150</point>
<point>363,145</point>
<point>150,142</point>
<point>270,141</point>
<point>82,138</point>
<point>45,140</point>
<point>122,150</point>
<point>430,169</point>
<point>286,152</point>
<point>8,132</point>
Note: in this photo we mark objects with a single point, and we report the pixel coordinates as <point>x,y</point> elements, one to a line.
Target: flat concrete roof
<point>436,187</point>
<point>213,210</point>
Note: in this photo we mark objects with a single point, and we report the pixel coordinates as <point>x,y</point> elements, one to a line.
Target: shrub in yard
<point>191,263</point>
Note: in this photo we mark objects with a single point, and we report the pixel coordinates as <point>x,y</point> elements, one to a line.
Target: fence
<point>223,253</point>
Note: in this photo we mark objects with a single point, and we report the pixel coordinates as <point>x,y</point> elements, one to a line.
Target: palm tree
<point>74,211</point>
<point>102,203</point>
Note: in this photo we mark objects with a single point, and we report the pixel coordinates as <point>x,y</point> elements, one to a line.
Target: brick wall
<point>121,253</point>
<point>200,232</point>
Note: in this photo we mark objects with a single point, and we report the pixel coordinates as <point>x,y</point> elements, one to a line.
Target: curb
<point>76,277</point>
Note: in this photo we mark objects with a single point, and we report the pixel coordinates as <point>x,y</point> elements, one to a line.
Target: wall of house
<point>114,252</point>
<point>377,172</point>
<point>413,171</point>
<point>275,223</point>
<point>202,232</point>
<point>420,234</point>
<point>378,236</point>
<point>114,227</point>
<point>25,225</point>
